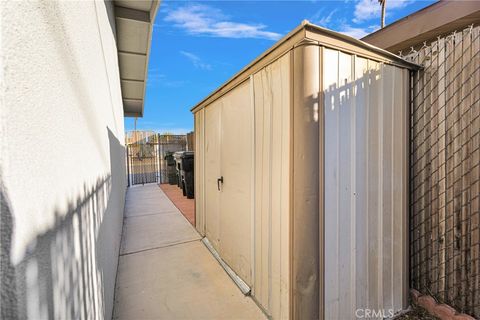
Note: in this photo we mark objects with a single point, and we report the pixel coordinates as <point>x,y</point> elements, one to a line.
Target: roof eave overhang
<point>134,21</point>
<point>438,19</point>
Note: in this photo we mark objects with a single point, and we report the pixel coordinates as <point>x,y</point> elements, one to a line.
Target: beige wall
<point>366,209</point>
<point>199,132</point>
<point>272,102</point>
<point>245,136</point>
<point>62,159</point>
<point>305,189</point>
<point>228,154</point>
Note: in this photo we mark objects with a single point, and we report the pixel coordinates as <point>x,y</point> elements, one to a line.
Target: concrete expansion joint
<point>159,247</point>
<point>150,214</point>
<point>166,272</point>
<point>440,310</point>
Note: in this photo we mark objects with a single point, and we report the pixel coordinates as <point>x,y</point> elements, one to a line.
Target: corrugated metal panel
<point>228,153</point>
<point>272,92</point>
<point>235,143</point>
<point>366,105</point>
<point>236,153</point>
<point>199,171</point>
<point>212,172</point>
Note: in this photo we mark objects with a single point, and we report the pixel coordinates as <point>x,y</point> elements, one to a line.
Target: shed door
<point>212,172</point>
<point>236,169</point>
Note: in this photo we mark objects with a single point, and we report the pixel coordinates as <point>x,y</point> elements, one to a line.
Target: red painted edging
<point>186,206</point>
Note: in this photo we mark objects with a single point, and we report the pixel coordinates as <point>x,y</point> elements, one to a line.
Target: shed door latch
<point>218,182</point>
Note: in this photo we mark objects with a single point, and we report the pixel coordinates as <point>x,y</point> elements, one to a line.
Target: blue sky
<point>197,46</point>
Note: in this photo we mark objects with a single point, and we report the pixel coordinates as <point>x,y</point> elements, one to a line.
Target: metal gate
<point>143,161</point>
<point>169,143</point>
<point>146,157</point>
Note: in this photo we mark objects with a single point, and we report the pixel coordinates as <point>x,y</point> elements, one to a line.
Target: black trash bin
<point>188,173</point>
<point>185,164</point>
<point>171,169</point>
<point>177,156</point>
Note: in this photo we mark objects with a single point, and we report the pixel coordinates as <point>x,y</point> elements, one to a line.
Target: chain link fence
<point>445,170</point>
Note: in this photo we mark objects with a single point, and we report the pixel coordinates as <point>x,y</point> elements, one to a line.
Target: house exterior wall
<point>62,161</point>
<point>366,186</point>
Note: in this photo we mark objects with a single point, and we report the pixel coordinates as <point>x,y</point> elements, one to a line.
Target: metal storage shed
<point>301,176</point>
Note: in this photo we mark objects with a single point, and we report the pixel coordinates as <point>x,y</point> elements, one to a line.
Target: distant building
<point>137,136</point>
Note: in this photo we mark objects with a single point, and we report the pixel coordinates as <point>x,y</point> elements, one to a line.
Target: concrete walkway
<point>165,271</point>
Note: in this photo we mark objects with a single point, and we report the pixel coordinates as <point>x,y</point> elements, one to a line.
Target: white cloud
<point>321,19</point>
<point>199,19</point>
<point>155,78</point>
<point>369,9</point>
<point>196,61</point>
<point>356,32</point>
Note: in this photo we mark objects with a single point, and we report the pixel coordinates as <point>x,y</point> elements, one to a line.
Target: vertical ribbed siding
<point>365,179</point>
<point>272,91</point>
<point>361,181</point>
<point>211,165</point>
<point>236,157</point>
<point>199,172</point>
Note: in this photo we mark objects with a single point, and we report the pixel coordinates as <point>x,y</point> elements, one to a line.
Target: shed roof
<point>311,33</point>
<point>435,20</point>
<point>134,23</point>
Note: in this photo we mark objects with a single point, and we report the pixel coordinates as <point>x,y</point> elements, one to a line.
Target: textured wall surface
<point>62,159</point>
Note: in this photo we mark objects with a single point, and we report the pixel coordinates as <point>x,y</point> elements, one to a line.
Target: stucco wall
<point>61,161</point>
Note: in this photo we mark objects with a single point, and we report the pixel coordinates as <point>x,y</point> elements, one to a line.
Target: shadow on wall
<point>8,298</point>
<point>68,272</point>
<point>53,12</point>
<point>365,153</point>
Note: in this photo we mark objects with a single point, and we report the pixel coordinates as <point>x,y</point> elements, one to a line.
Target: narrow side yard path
<point>165,272</point>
